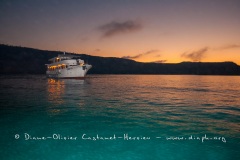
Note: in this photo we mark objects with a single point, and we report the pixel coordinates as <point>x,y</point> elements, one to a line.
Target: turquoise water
<point>120,117</point>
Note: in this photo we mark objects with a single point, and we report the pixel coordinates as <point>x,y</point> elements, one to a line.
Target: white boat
<point>67,66</point>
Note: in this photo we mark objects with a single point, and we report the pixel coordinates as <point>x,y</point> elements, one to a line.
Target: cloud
<point>160,61</point>
<point>83,39</point>
<point>97,50</point>
<point>114,28</point>
<point>141,54</point>
<point>151,51</point>
<point>196,56</point>
<point>230,46</point>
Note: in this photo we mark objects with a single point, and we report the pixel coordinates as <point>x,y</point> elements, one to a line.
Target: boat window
<point>57,59</point>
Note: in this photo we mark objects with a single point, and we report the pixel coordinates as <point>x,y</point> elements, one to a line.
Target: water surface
<point>170,117</point>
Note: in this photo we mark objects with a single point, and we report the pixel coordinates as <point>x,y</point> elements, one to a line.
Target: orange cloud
<point>195,55</point>
<point>160,61</point>
<point>141,54</point>
<point>231,46</point>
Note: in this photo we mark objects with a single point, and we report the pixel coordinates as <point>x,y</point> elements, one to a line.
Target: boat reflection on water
<point>56,89</point>
<point>60,91</point>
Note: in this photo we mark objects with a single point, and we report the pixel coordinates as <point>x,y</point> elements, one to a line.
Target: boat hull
<point>74,72</point>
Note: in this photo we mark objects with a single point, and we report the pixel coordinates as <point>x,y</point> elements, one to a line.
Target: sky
<point>161,31</point>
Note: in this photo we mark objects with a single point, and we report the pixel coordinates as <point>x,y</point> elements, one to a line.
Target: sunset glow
<point>143,30</point>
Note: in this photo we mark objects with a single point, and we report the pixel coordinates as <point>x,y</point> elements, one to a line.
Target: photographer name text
<point>114,137</point>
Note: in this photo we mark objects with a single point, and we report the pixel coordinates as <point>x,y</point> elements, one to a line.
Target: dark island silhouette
<point>22,60</point>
